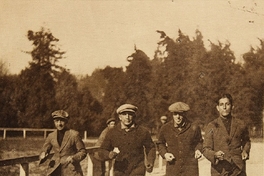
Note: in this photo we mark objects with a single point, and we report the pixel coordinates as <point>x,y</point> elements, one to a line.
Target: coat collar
<point>65,139</point>
<point>186,126</point>
<point>133,127</point>
<point>233,126</point>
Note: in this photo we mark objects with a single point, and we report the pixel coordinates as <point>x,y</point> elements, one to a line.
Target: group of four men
<point>226,144</point>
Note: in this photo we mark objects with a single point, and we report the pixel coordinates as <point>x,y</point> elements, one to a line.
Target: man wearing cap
<point>180,142</point>
<point>68,148</point>
<point>99,165</point>
<point>129,143</point>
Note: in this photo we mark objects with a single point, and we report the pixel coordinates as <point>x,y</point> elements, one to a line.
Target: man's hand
<point>112,155</point>
<point>149,168</point>
<point>219,155</point>
<point>169,157</point>
<point>245,155</point>
<point>197,154</point>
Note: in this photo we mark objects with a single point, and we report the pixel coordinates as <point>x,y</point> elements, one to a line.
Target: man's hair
<point>225,95</point>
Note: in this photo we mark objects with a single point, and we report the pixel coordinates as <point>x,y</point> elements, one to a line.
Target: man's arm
<point>105,152</point>
<point>246,143</point>
<point>150,149</point>
<point>45,150</point>
<point>81,151</point>
<point>161,143</point>
<point>208,145</point>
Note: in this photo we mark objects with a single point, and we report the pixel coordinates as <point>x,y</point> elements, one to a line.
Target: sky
<point>98,33</point>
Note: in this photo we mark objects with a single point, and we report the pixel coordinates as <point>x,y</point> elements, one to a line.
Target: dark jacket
<point>72,145</point>
<point>182,144</point>
<point>216,138</point>
<point>131,145</point>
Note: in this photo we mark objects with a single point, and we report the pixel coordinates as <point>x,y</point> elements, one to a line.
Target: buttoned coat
<point>182,144</point>
<point>131,144</point>
<point>217,138</point>
<point>72,145</point>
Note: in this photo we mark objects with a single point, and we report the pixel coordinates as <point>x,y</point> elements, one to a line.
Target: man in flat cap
<point>129,143</point>
<point>69,149</point>
<point>100,167</point>
<point>180,143</point>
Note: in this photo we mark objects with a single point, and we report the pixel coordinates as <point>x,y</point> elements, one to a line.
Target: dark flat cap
<point>60,114</point>
<point>179,107</point>
<point>126,108</point>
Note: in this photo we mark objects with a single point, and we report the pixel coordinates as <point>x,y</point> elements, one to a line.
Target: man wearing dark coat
<point>180,142</point>
<point>129,144</point>
<point>69,149</point>
<point>226,141</point>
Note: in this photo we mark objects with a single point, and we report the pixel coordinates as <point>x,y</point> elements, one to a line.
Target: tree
<point>254,68</point>
<point>136,87</point>
<point>8,113</point>
<point>35,93</point>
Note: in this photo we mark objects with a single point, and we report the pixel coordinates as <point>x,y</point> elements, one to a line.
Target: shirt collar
<point>124,127</point>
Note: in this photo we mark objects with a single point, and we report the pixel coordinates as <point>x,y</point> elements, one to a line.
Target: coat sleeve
<point>105,147</point>
<point>198,138</point>
<point>47,146</point>
<point>150,149</point>
<point>246,143</point>
<point>81,151</point>
<point>161,143</point>
<point>208,145</point>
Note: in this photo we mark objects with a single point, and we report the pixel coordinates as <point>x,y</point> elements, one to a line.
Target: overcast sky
<point>99,33</point>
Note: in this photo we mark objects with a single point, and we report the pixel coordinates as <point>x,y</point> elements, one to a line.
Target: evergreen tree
<point>136,87</point>
<point>35,93</point>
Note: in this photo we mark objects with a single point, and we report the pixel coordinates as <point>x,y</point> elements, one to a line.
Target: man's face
<point>111,124</point>
<point>178,117</point>
<point>60,123</point>
<point>126,117</point>
<point>224,107</point>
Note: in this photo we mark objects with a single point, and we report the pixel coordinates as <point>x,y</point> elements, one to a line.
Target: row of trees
<point>182,70</point>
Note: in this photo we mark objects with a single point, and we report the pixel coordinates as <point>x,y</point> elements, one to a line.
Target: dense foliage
<point>182,69</point>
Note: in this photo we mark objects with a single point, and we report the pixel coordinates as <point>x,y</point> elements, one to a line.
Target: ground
<point>20,147</point>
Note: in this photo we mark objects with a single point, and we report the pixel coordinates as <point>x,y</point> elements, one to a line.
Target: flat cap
<point>179,107</point>
<point>126,108</point>
<point>110,120</point>
<point>60,114</point>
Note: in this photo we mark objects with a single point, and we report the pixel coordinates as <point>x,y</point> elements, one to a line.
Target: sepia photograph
<point>131,88</point>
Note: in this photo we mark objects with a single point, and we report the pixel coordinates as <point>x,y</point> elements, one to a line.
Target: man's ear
<point>217,107</point>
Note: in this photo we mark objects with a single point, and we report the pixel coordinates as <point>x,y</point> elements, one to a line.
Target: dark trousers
<point>56,172</point>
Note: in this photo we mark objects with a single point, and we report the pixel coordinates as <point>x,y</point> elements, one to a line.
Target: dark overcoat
<point>217,138</point>
<point>72,145</point>
<point>131,144</point>
<point>182,144</point>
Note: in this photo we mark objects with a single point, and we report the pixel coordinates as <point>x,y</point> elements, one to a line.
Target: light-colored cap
<point>60,114</point>
<point>126,108</point>
<point>179,107</point>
